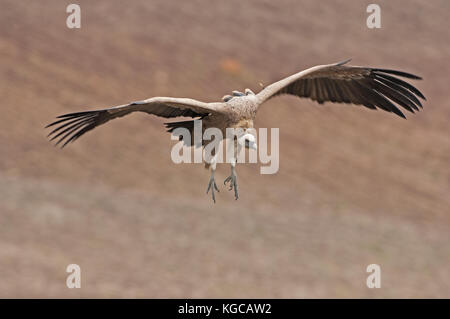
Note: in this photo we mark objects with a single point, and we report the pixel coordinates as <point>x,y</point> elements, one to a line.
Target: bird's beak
<point>251,145</point>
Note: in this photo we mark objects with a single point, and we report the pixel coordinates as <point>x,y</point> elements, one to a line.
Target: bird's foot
<point>213,186</point>
<point>233,184</point>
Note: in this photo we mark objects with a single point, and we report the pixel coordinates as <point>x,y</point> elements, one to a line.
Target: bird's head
<point>248,140</point>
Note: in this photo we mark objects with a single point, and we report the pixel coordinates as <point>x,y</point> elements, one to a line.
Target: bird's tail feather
<point>189,125</point>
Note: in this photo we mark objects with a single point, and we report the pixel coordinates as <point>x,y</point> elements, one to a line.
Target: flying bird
<point>372,88</point>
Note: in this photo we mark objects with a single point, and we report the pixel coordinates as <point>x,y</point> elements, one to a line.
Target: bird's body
<point>237,112</point>
<point>370,87</point>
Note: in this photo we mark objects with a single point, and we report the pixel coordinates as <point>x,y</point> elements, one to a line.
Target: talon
<point>212,186</point>
<point>233,184</point>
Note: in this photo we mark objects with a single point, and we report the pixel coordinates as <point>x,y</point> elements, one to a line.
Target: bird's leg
<point>233,179</point>
<point>212,182</point>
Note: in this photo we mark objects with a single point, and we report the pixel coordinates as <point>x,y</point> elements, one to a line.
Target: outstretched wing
<point>71,126</point>
<point>373,88</point>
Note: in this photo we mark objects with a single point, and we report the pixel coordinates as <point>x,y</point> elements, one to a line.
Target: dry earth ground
<point>355,186</point>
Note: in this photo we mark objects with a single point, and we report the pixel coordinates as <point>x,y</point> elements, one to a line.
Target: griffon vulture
<point>339,83</point>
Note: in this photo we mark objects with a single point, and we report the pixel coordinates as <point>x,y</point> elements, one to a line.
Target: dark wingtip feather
<point>395,110</point>
<point>401,83</point>
<point>398,73</point>
<point>73,125</point>
<point>402,116</point>
<point>76,114</point>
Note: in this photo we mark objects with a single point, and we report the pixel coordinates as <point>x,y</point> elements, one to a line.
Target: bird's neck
<point>244,123</point>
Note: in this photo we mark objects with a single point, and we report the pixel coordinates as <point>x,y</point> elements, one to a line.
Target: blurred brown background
<point>355,186</point>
